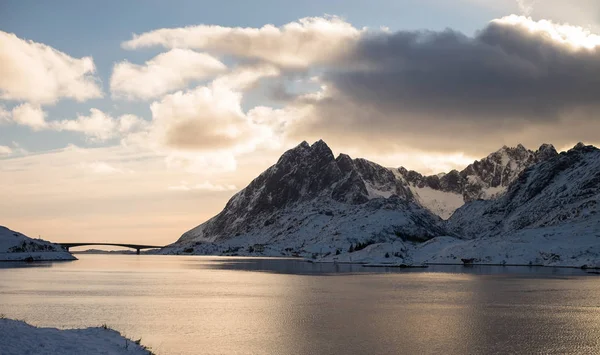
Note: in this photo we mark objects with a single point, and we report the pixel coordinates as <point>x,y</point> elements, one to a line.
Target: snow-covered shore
<point>571,245</point>
<point>18,337</point>
<point>15,246</point>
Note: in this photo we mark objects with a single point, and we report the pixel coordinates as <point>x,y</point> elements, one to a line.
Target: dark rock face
<point>559,190</point>
<point>498,169</point>
<point>302,174</point>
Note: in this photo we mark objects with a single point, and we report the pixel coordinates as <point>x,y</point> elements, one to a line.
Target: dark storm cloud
<point>504,72</point>
<point>434,87</point>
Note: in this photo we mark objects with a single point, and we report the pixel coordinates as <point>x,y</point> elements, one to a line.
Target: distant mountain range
<point>315,205</point>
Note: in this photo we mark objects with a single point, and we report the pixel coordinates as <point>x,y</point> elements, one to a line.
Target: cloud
<point>100,167</point>
<point>164,73</point>
<point>205,186</point>
<point>210,118</point>
<point>5,115</point>
<point>40,74</point>
<point>4,150</point>
<point>99,126</point>
<point>199,163</point>
<point>525,7</point>
<point>309,41</point>
<point>448,91</point>
<point>29,115</point>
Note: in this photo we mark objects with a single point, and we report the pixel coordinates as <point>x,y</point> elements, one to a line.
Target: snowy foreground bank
<point>15,246</point>
<point>18,337</point>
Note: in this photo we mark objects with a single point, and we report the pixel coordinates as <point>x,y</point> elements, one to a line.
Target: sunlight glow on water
<point>210,305</point>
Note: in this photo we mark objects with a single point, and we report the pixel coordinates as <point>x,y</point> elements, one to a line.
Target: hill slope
<point>15,246</point>
<point>312,204</point>
<point>486,179</point>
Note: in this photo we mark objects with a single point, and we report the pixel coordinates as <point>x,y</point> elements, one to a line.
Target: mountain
<point>312,204</point>
<point>549,216</point>
<point>563,190</point>
<point>15,246</point>
<point>485,179</point>
<point>539,208</point>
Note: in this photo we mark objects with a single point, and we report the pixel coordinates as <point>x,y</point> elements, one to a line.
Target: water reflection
<point>196,305</point>
<point>22,264</point>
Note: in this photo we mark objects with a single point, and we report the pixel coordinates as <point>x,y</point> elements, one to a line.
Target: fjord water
<point>213,305</point>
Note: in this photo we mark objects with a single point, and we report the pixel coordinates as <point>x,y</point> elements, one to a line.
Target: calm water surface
<point>210,305</point>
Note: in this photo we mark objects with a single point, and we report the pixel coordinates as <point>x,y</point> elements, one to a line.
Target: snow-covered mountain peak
<point>308,177</point>
<point>563,188</point>
<point>486,178</point>
<point>313,205</point>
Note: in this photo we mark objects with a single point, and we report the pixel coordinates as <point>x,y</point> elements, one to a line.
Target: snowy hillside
<point>311,204</point>
<point>559,191</point>
<point>485,179</point>
<point>17,337</point>
<point>543,211</point>
<point>15,246</point>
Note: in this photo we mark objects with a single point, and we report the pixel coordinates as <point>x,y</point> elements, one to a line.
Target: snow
<point>492,192</point>
<point>567,245</point>
<point>377,192</point>
<point>15,246</point>
<point>563,246</point>
<point>17,337</point>
<point>549,216</point>
<point>439,202</point>
<point>319,228</point>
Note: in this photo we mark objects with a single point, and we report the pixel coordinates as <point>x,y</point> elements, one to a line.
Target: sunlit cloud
<point>164,73</point>
<point>309,41</point>
<point>206,186</point>
<point>100,167</point>
<point>38,73</point>
<point>4,150</point>
<point>99,126</point>
<point>574,36</point>
<point>29,115</point>
<point>209,118</point>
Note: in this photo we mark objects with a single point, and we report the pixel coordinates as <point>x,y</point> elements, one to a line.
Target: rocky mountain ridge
<point>486,178</point>
<point>311,200</point>
<point>312,204</point>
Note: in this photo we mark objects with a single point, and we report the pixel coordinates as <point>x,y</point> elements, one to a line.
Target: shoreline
<point>20,337</point>
<point>361,263</point>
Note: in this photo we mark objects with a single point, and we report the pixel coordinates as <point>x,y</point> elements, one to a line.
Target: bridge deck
<point>132,246</point>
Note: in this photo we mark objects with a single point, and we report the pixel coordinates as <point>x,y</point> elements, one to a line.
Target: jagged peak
<point>546,151</point>
<point>319,143</point>
<point>321,148</point>
<point>302,145</point>
<point>505,148</point>
<point>546,146</point>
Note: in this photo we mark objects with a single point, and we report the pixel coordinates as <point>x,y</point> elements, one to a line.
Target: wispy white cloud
<point>40,74</point>
<point>164,73</point>
<point>30,115</point>
<point>100,167</point>
<point>525,6</point>
<point>5,115</point>
<point>4,150</point>
<point>205,186</point>
<point>309,41</point>
<point>99,126</point>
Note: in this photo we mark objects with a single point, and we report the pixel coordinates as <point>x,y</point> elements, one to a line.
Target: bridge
<point>137,247</point>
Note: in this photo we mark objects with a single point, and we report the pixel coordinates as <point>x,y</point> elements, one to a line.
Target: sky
<point>134,121</point>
